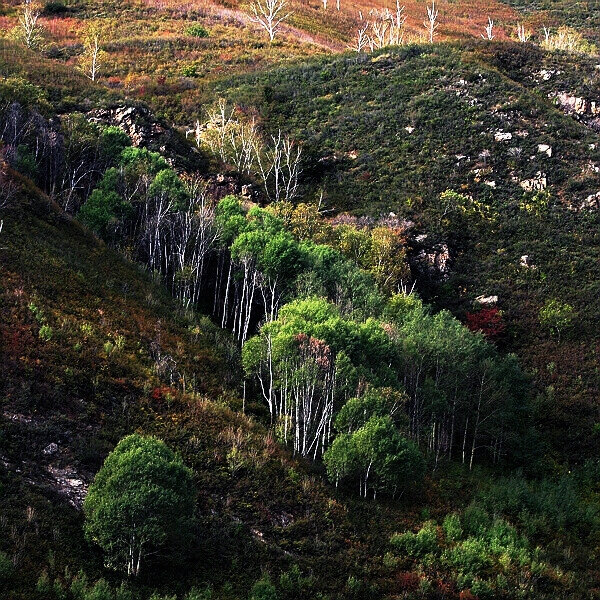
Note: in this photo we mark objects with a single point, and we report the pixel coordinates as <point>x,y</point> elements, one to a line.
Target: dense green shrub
<point>469,557</point>
<point>543,506</point>
<point>263,589</point>
<point>452,527</point>
<point>417,545</point>
<point>475,521</point>
<point>55,8</point>
<point>103,211</point>
<point>197,30</point>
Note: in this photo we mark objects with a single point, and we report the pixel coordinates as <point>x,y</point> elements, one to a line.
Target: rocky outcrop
<point>535,184</point>
<point>586,110</point>
<point>430,261</point>
<point>526,262</point>
<point>146,131</point>
<point>577,104</point>
<point>591,202</point>
<point>486,301</point>
<point>219,186</point>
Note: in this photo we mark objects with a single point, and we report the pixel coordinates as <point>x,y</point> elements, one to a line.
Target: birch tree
<point>431,22</point>
<point>523,34</point>
<point>30,31</point>
<point>140,504</point>
<point>270,14</point>
<point>92,59</point>
<point>362,39</point>
<point>489,30</point>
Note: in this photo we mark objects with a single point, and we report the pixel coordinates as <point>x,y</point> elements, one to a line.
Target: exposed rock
<point>50,449</point>
<point>547,74</point>
<point>538,183</point>
<point>491,184</point>
<point>526,262</point>
<point>219,186</point>
<point>70,484</point>
<point>592,201</point>
<point>432,262</point>
<point>586,110</point>
<point>545,149</point>
<point>409,129</point>
<point>502,136</point>
<point>146,131</point>
<point>486,300</point>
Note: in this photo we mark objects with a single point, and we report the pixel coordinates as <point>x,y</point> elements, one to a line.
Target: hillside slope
<point>392,131</point>
<point>92,349</point>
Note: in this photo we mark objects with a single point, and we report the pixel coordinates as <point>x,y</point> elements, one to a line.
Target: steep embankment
<point>92,349</point>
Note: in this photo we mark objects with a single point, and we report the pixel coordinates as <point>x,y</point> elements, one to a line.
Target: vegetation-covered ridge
<point>318,326</point>
<point>391,132</point>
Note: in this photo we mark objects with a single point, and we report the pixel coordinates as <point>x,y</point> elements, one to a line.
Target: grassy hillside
<point>92,349</point>
<point>391,132</point>
<point>583,15</point>
<point>151,54</point>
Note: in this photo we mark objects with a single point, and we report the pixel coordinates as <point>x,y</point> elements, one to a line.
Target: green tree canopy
<point>376,455</point>
<point>140,504</point>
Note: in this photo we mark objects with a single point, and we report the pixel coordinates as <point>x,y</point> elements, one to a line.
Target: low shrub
<point>197,30</point>
<point>418,544</point>
<point>469,557</point>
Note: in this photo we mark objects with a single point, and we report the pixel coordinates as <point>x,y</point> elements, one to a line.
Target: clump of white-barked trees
<point>383,28</point>
<point>93,57</point>
<point>30,31</point>
<point>386,27</point>
<point>275,161</point>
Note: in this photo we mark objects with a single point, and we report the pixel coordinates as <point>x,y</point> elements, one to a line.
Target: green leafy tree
<point>104,211</point>
<point>263,589</point>
<point>168,185</point>
<point>113,141</point>
<point>140,504</point>
<point>378,456</point>
<point>376,402</point>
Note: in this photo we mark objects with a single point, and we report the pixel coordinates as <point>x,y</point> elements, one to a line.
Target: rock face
<point>526,262</point>
<point>486,300</point>
<point>146,131</point>
<point>578,105</point>
<point>68,483</point>
<point>430,261</point>
<point>219,186</point>
<point>586,110</point>
<point>502,136</point>
<point>536,184</point>
<point>592,201</point>
<point>50,449</point>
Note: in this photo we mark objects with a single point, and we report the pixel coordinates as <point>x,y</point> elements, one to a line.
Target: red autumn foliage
<point>408,581</point>
<point>488,321</point>
<point>161,392</point>
<point>315,349</point>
